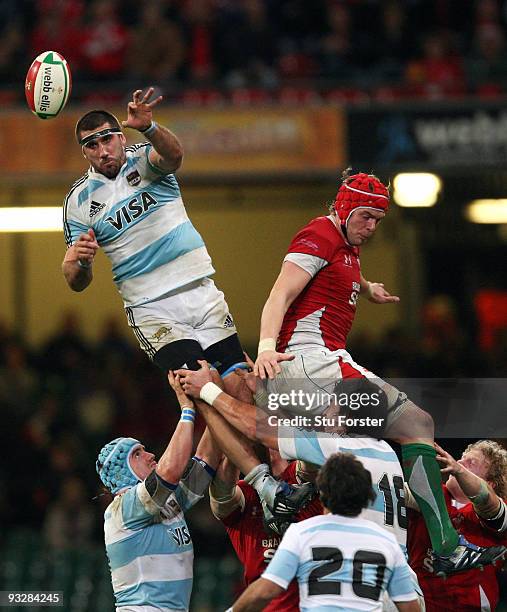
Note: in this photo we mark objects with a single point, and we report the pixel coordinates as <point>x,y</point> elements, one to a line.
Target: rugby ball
<point>48,84</point>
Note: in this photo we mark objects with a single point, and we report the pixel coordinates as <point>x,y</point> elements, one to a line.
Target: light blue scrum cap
<point>113,465</point>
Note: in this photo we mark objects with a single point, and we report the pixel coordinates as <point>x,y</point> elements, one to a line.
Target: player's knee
<point>423,421</point>
<point>413,422</point>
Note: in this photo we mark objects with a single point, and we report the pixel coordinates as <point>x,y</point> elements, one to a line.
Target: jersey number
<point>332,559</point>
<point>387,491</point>
<point>353,298</point>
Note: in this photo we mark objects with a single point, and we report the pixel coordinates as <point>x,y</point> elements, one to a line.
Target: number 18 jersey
<point>341,563</point>
<point>388,510</point>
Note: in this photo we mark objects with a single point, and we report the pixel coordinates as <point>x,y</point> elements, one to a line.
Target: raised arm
<point>375,292</point>
<point>289,284</point>
<point>485,501</point>
<point>244,417</point>
<point>224,495</point>
<point>167,152</point>
<point>176,456</point>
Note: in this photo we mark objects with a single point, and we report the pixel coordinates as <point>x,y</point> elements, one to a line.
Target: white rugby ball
<point>48,84</point>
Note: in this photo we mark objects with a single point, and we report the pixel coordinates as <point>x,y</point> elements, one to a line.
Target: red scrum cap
<point>360,191</point>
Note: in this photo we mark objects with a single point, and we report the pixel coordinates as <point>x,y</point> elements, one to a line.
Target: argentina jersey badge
<point>134,178</point>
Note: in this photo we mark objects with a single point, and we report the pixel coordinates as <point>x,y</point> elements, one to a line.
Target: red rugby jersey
<point>323,313</point>
<point>255,547</point>
<point>464,591</point>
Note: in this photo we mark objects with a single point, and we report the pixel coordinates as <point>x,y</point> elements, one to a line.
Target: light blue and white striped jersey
<point>388,510</point>
<point>341,563</point>
<point>141,224</point>
<point>149,548</point>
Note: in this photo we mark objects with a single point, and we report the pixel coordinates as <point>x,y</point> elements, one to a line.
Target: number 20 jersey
<point>322,314</point>
<point>341,563</point>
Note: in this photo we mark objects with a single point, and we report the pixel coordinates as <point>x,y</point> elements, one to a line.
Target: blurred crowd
<point>63,400</point>
<point>257,51</point>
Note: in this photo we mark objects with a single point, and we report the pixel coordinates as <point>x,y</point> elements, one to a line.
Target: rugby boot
<point>466,556</point>
<point>275,525</point>
<point>289,499</point>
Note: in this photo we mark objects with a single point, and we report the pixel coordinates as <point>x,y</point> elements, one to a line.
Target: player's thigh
<point>164,334</point>
<point>179,354</point>
<point>213,322</point>
<point>405,420</point>
<point>358,381</point>
<point>225,354</point>
<point>214,326</point>
<point>305,385</point>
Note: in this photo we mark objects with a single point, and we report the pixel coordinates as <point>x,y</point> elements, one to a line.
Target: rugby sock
<point>262,481</point>
<point>422,474</point>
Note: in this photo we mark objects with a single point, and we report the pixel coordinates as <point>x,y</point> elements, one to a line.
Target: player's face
<point>362,225</point>
<point>142,462</point>
<point>105,154</point>
<point>474,461</point>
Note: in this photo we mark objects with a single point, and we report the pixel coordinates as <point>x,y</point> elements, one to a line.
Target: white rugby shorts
<point>197,311</point>
<point>315,373</point>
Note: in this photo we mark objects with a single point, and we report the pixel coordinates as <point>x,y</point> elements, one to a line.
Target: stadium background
<point>271,99</point>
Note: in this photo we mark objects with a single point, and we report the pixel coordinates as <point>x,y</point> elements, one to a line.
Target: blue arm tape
<point>168,485</point>
<point>241,365</point>
<point>207,467</point>
<point>187,414</point>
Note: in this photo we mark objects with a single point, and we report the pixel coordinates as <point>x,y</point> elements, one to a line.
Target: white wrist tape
<point>369,291</point>
<point>267,344</point>
<point>210,392</point>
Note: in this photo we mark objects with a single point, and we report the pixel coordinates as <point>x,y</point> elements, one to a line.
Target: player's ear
<point>123,140</point>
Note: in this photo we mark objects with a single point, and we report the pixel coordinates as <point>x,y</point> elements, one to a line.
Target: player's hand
<point>175,382</point>
<point>139,111</point>
<point>248,376</point>
<point>193,381</point>
<point>379,295</point>
<point>267,363</point>
<point>449,465</point>
<point>249,361</point>
<point>86,247</point>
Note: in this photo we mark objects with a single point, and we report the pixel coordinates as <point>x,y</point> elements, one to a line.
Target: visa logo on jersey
<point>132,210</point>
<point>180,535</point>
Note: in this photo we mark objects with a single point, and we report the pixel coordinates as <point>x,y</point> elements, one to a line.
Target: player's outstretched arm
<point>289,284</point>
<point>486,502</point>
<point>78,260</point>
<point>257,596</point>
<point>242,416</point>
<point>209,450</point>
<point>167,151</point>
<point>176,456</point>
<point>224,495</point>
<point>376,293</point>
